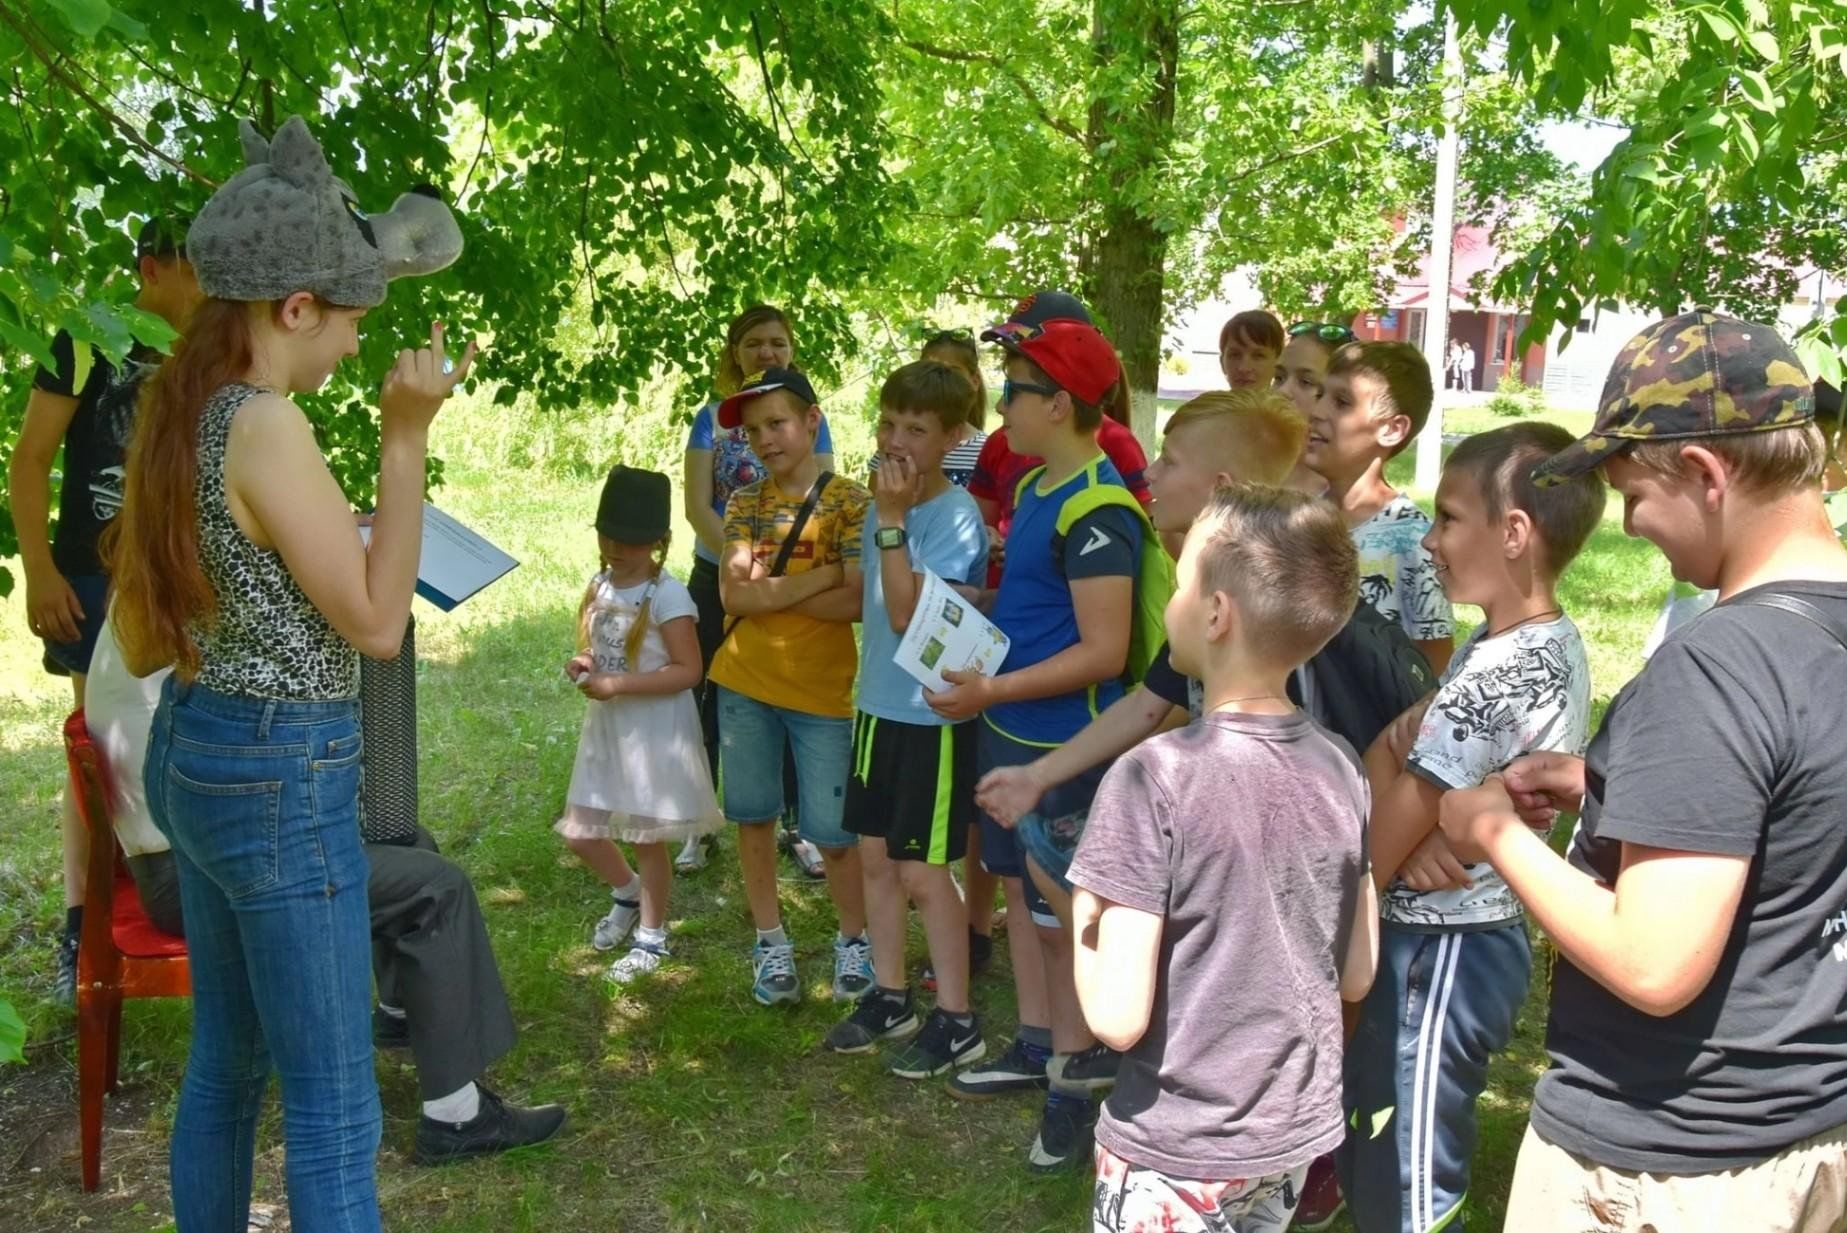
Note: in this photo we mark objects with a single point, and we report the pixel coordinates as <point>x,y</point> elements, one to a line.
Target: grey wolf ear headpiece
<point>286,223</point>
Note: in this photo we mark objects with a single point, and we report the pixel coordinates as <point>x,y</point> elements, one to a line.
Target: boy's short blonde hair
<point>1402,370</point>
<point>1768,463</point>
<point>1261,427</point>
<point>1287,559</point>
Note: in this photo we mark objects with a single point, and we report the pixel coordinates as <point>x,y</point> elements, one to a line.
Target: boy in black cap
<point>86,405</point>
<point>789,577</point>
<point>1697,1035</point>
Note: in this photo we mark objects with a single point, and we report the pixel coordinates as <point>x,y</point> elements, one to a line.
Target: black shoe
<point>389,1031</point>
<point>1012,1071</point>
<point>980,955</point>
<point>498,1127</point>
<point>942,1046</point>
<point>65,987</point>
<point>980,952</point>
<point>1092,1070</point>
<point>878,1016</point>
<point>1066,1131</point>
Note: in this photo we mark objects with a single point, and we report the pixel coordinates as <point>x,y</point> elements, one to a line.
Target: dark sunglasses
<point>1323,330</point>
<point>1009,387</point>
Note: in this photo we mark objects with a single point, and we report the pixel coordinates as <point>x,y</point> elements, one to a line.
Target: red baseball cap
<point>1053,330</point>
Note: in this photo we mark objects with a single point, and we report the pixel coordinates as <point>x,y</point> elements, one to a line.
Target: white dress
<point>640,759</point>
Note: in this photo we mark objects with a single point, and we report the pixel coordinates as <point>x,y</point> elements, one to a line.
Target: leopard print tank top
<point>269,640</point>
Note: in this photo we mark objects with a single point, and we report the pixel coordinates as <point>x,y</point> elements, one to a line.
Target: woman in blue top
<point>718,463</point>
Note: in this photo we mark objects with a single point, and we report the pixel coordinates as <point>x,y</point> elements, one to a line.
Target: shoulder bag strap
<point>791,539</point>
<point>1802,608</point>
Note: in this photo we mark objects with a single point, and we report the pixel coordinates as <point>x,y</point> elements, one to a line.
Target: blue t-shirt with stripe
<point>1034,607</point>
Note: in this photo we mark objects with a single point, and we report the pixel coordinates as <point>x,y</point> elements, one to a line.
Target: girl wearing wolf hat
<point>236,559</point>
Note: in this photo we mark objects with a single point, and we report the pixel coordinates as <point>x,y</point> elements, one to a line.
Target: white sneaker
<point>692,854</point>
<point>610,931</point>
<point>852,968</point>
<point>643,958</point>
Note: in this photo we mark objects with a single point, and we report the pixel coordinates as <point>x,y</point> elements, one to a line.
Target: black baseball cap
<point>161,237</point>
<point>731,411</point>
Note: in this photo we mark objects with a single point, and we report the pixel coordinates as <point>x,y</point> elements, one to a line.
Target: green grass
<point>691,1107</point>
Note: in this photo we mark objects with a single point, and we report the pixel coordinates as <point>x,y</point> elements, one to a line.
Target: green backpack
<point>1154,571</point>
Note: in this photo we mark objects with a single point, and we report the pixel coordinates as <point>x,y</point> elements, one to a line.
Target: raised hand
<point>417,385</point>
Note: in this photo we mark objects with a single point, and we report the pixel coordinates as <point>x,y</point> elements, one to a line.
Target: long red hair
<point>152,547</point>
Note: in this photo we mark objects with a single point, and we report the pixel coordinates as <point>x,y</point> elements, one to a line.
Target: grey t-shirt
<point>1730,742</point>
<point>1247,834</point>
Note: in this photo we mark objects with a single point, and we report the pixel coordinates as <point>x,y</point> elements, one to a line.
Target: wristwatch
<point>889,537</point>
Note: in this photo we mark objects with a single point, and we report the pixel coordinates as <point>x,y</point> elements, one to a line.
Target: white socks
<point>461,1105</point>
<point>772,937</point>
<point>630,893</point>
<point>656,938</point>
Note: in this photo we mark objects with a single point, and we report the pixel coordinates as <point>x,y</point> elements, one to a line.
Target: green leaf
<point>1756,89</point>
<point>1721,25</point>
<point>86,18</point>
<point>1764,44</point>
<point>12,1034</point>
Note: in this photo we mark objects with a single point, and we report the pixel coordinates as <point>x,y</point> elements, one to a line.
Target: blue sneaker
<point>773,974</point>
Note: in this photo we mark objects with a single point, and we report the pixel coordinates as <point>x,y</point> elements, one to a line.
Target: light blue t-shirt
<point>733,464</point>
<point>944,534</point>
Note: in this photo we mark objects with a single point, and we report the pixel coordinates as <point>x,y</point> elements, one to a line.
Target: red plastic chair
<point>120,954</point>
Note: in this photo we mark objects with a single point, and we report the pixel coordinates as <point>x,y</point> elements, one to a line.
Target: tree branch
<point>70,83</point>
<point>1012,74</point>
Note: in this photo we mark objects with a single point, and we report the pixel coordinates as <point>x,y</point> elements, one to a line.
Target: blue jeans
<point>260,800</point>
<point>751,738</point>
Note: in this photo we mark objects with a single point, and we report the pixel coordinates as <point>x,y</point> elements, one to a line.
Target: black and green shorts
<point>913,785</point>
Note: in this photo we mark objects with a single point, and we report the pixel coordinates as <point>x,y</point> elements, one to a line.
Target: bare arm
<point>283,497</point>
<point>696,487</point>
<point>1361,961</point>
<point>746,589</point>
<point>52,608</point>
<point>900,586</point>
<point>840,603</point>
<point>682,670</point>
<point>1114,962</point>
<point>1404,810</point>
<point>1654,939</point>
<point>1103,607</point>
<point>1009,792</point>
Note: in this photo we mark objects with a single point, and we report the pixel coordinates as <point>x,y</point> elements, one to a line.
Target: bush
<point>1516,400</point>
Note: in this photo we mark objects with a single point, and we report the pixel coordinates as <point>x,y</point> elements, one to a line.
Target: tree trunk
<point>1123,266</point>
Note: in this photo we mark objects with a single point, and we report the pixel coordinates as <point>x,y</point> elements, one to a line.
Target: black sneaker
<point>980,952</point>
<point>980,955</point>
<point>877,1016</point>
<point>943,1045</point>
<point>1066,1131</point>
<point>498,1127</point>
<point>1092,1070</point>
<point>389,1031</point>
<point>1012,1071</point>
<point>65,988</point>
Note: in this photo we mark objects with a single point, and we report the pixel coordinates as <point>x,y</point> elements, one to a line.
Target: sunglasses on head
<point>1009,387</point>
<point>1323,330</point>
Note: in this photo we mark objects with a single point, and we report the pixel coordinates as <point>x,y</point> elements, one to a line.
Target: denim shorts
<point>1004,851</point>
<point>751,738</point>
<point>64,658</point>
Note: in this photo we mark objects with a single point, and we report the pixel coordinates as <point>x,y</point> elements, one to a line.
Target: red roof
<point>1472,253</point>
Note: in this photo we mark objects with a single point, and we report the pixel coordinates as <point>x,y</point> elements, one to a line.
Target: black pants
<point>430,955</point>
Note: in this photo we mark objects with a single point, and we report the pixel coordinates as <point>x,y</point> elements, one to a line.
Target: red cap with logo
<point>1053,330</point>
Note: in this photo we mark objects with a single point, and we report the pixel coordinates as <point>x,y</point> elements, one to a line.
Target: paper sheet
<point>455,562</point>
<point>947,633</point>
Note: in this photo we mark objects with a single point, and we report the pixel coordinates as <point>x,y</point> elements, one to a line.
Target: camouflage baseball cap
<point>1696,375</point>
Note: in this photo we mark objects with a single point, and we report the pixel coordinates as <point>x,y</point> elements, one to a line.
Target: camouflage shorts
<point>1132,1199</point>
